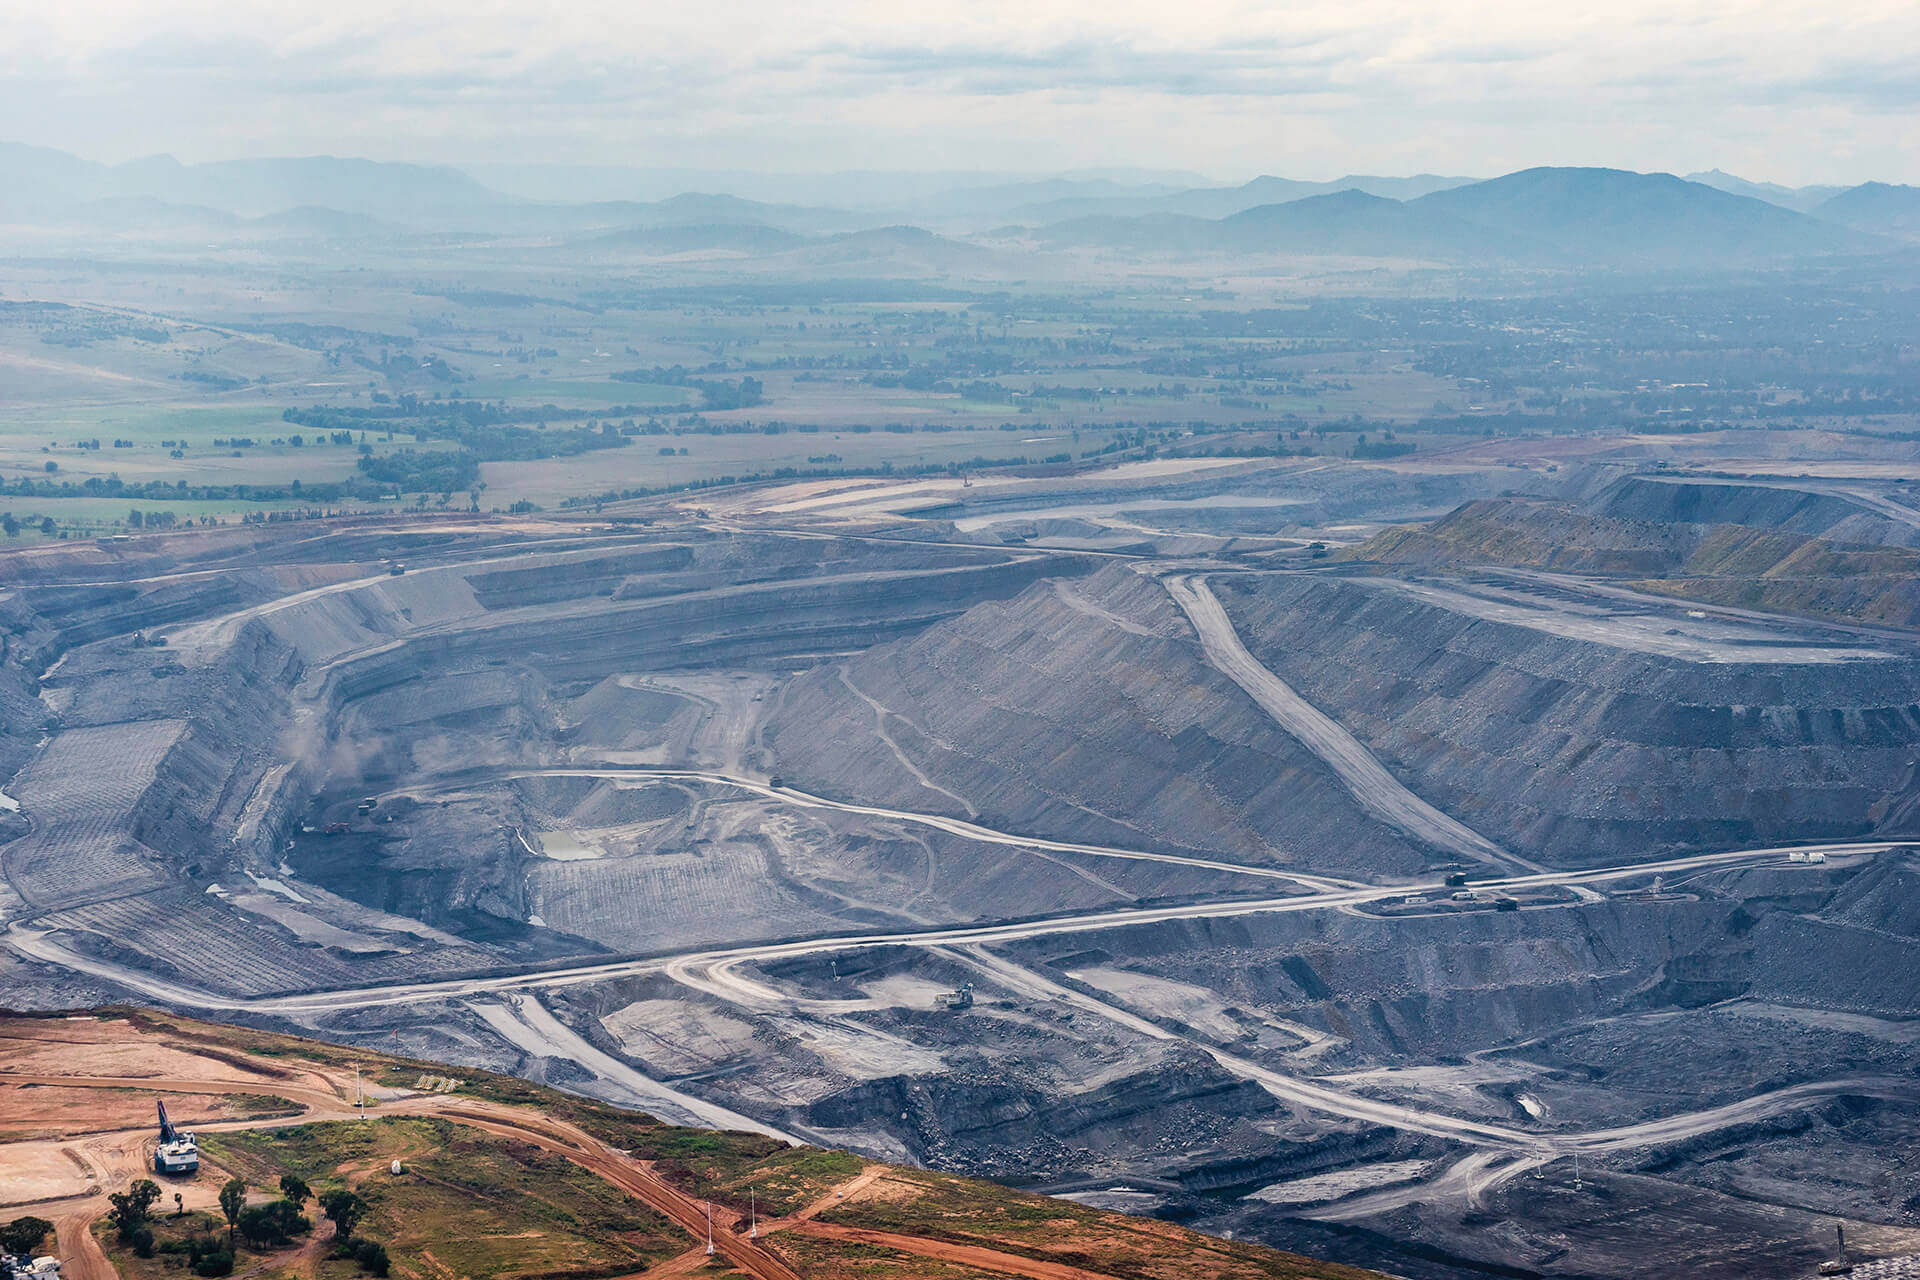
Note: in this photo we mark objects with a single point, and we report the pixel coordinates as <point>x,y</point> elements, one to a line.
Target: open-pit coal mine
<point>1455,872</point>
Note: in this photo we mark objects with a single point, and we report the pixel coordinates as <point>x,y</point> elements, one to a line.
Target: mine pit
<point>981,856</point>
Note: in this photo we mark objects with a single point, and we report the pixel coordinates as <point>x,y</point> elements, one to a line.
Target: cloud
<point>1310,87</point>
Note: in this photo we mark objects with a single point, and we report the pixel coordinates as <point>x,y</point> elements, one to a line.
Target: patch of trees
<point>22,1236</point>
<point>399,366</point>
<point>715,395</point>
<point>412,471</point>
<point>217,381</point>
<point>491,432</point>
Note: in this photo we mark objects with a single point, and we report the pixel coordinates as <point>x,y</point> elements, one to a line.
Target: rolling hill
<point>1876,207</point>
<point>1612,216</point>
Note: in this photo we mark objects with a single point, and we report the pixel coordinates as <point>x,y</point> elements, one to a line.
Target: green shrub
<point>372,1257</point>
<point>217,1263</point>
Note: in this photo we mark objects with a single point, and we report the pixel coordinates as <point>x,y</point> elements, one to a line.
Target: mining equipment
<point>395,569</point>
<point>957,1000</point>
<point>1838,1264</point>
<point>1456,878</point>
<point>1506,904</point>
<point>178,1152</point>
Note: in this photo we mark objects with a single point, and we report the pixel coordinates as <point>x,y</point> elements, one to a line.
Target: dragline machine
<point>178,1152</point>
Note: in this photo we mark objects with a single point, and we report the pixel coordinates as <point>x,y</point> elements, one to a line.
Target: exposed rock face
<point>1083,711</point>
<point>1581,751</point>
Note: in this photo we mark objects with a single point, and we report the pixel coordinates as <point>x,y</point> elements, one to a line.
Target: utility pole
<point>359,1091</point>
<point>709,1228</point>
<point>753,1215</point>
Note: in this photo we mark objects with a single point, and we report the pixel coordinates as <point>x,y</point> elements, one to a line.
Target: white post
<point>753,1216</point>
<point>709,1228</point>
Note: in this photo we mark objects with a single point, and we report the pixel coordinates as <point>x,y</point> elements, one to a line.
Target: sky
<point>1786,90</point>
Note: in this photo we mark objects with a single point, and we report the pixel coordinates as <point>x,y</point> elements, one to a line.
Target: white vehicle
<point>178,1152</point>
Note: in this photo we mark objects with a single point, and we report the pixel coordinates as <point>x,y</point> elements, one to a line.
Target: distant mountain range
<point>1224,202</point>
<point>1548,216</point>
<point>36,178</point>
<point>1564,217</point>
<point>1799,199</point>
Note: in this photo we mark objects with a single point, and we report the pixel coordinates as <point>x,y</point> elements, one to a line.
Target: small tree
<point>233,1198</point>
<point>130,1207</point>
<point>295,1189</point>
<point>345,1209</point>
<point>23,1235</point>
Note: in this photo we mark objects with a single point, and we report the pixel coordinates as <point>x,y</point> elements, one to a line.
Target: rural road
<point>1378,792</point>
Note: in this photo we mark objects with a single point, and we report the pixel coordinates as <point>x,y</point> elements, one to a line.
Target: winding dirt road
<point>1377,791</point>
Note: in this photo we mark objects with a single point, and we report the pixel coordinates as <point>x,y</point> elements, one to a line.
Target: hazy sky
<point>1792,90</point>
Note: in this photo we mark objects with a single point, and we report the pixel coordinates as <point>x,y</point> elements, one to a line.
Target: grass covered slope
<point>485,1207</point>
<point>500,1179</point>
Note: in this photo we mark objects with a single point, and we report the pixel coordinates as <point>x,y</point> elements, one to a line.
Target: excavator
<point>178,1152</point>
